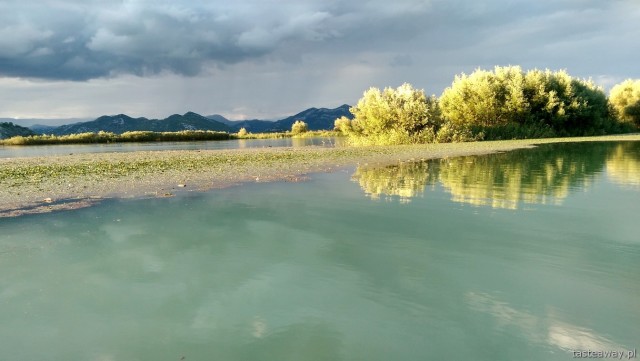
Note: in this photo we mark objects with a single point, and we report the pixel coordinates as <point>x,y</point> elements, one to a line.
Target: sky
<point>268,59</point>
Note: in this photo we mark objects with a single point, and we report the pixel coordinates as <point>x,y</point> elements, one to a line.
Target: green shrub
<point>453,133</point>
<point>392,116</point>
<point>509,103</point>
<point>299,127</point>
<point>625,99</point>
<point>342,125</point>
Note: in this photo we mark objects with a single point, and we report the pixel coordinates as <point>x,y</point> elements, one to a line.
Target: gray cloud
<point>268,58</point>
<point>82,40</point>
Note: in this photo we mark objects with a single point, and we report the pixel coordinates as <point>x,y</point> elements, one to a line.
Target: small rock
<point>182,185</point>
<point>48,200</point>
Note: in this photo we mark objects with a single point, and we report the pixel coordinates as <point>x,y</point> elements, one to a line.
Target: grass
<point>147,136</point>
<point>108,137</point>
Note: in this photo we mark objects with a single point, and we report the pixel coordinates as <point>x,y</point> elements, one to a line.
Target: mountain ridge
<point>122,123</point>
<point>316,118</point>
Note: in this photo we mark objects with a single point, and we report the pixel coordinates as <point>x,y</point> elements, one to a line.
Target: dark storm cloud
<point>79,40</point>
<point>269,58</point>
<point>86,39</point>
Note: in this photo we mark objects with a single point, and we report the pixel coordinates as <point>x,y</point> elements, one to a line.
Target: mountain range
<point>316,118</point>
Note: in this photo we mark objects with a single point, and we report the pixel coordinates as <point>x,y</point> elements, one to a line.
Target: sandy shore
<point>45,184</point>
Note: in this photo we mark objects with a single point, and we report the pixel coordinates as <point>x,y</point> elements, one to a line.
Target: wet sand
<point>46,184</point>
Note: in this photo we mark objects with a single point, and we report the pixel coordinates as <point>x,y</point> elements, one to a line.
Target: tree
<point>242,132</point>
<point>393,116</point>
<point>299,127</point>
<point>485,98</point>
<point>509,103</point>
<point>625,99</point>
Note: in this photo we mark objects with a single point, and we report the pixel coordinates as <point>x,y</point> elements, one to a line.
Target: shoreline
<point>33,185</point>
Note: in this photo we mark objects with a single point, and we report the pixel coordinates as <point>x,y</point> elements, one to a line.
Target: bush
<point>392,116</point>
<point>342,125</point>
<point>625,99</point>
<point>451,132</point>
<point>242,132</point>
<point>299,127</point>
<point>509,103</point>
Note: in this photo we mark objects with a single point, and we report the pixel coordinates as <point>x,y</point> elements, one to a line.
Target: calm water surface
<point>525,255</point>
<point>62,149</point>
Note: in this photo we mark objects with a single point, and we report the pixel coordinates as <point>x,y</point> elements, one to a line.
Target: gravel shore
<point>45,184</point>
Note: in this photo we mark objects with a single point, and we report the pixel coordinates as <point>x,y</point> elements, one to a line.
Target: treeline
<point>108,137</point>
<point>506,103</point>
<point>149,136</point>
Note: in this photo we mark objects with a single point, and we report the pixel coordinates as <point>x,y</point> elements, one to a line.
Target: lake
<point>525,255</point>
<point>8,151</point>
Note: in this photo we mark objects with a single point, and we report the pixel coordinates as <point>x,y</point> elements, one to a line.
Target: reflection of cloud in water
<point>569,337</point>
<point>104,358</point>
<point>259,327</point>
<point>541,329</point>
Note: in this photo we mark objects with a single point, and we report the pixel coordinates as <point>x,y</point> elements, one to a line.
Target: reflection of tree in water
<point>405,180</point>
<point>623,165</point>
<point>544,175</point>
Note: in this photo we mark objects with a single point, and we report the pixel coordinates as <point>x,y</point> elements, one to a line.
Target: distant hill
<point>32,123</point>
<point>123,123</point>
<point>42,129</point>
<point>8,130</point>
<point>316,118</point>
<point>220,118</point>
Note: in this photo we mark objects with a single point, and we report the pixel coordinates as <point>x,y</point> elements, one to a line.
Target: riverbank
<point>45,184</point>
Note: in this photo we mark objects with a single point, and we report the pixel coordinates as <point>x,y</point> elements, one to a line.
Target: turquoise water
<point>62,149</point>
<point>526,255</point>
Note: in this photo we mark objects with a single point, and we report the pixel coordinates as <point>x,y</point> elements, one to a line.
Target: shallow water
<point>526,255</point>
<point>62,149</point>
